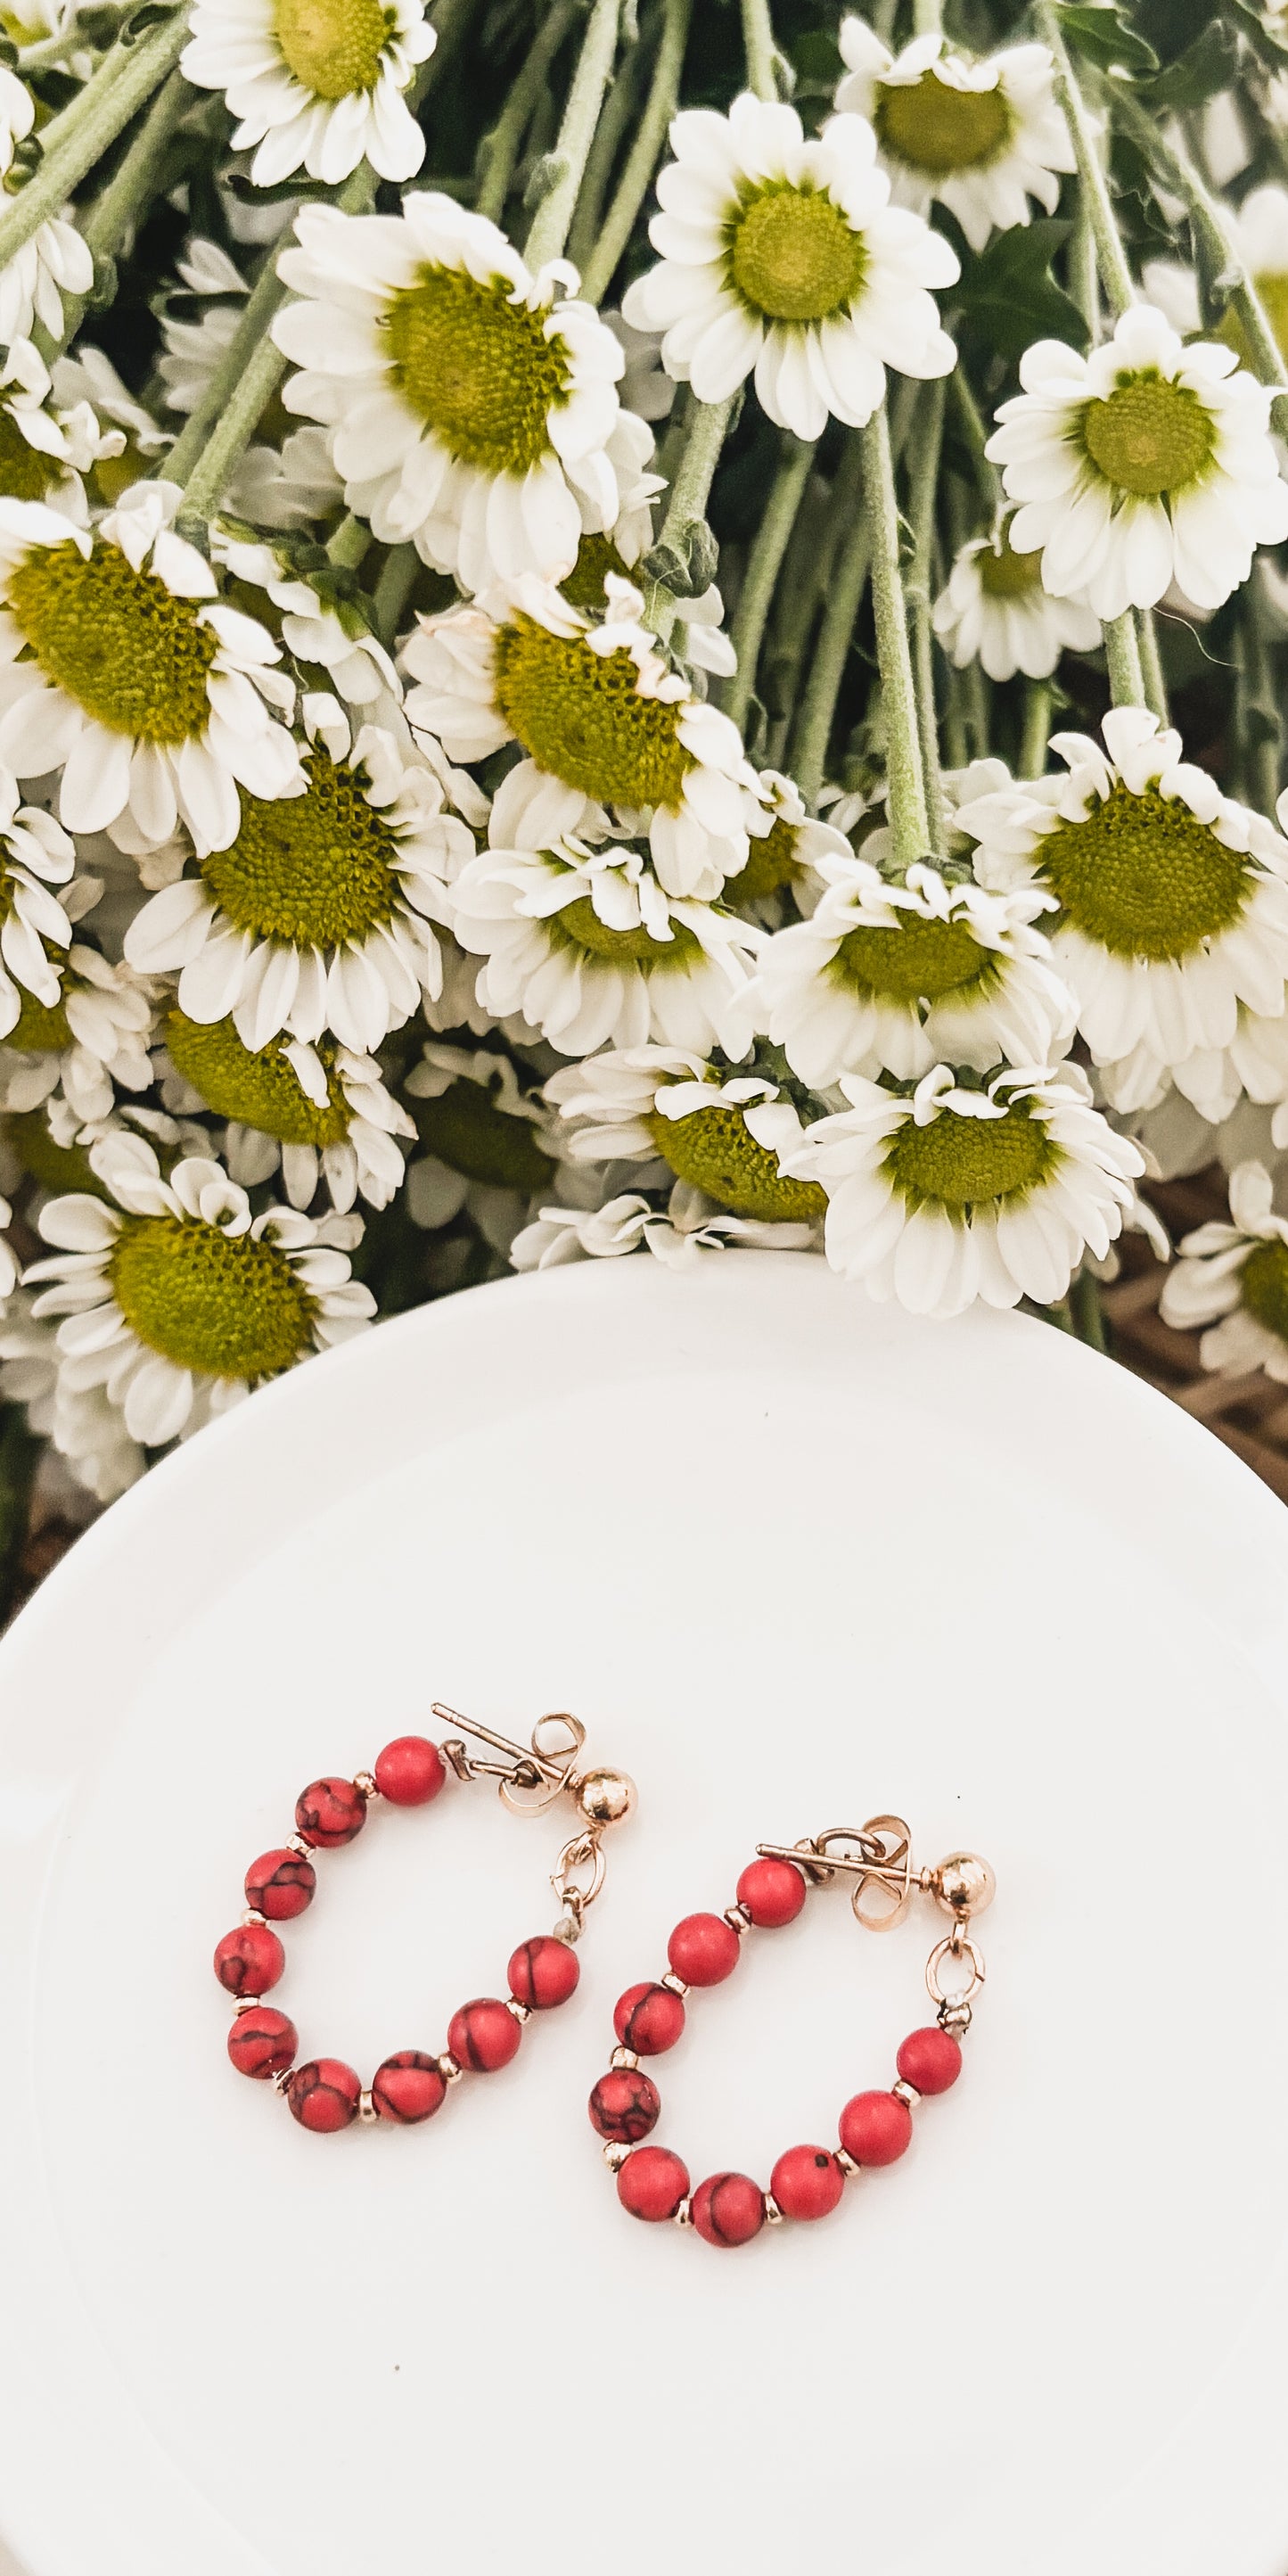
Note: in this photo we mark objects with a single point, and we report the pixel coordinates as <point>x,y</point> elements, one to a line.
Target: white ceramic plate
<point>794,1559</point>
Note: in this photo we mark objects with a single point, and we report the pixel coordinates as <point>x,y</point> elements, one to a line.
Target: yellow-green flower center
<point>771,864</point>
<point>793,255</point>
<point>1273,291</point>
<point>714,1149</point>
<point>314,870</point>
<point>1263,1286</point>
<point>224,1305</point>
<point>258,1089</point>
<point>960,1163</point>
<point>1143,877</point>
<point>333,46</point>
<point>26,473</point>
<point>1149,436</point>
<point>1005,575</point>
<point>123,646</point>
<point>40,1028</point>
<point>916,961</point>
<point>579,926</point>
<point>936,128</point>
<point>477,367</point>
<point>467,1130</point>
<point>596,557</point>
<point>54,1167</point>
<point>580,715</point>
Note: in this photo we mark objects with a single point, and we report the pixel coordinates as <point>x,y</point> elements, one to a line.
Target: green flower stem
<point>1086,1311</point>
<point>759,48</point>
<point>687,505</point>
<point>1211,223</point>
<point>1084,276</point>
<point>768,549</point>
<point>621,109</point>
<point>805,577</point>
<point>633,186</point>
<point>393,590</point>
<point>923,465</point>
<point>19,1457</point>
<point>1122,653</point>
<point>927,17</point>
<point>1111,258</point>
<point>974,431</point>
<point>500,148</point>
<point>78,138</point>
<point>52,50</point>
<point>1037,728</point>
<point>1151,664</point>
<point>121,206</point>
<point>846,582</point>
<point>549,230</point>
<point>909,816</point>
<point>351,542</point>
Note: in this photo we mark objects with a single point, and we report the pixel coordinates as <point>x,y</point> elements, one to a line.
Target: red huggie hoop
<point>875,2128</point>
<point>324,2094</point>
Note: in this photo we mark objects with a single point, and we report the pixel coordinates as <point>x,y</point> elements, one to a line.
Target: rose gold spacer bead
<point>449,2070</point>
<point>906,2093</point>
<point>615,2154</point>
<point>251,1916</point>
<point>366,2107</point>
<point>303,1850</point>
<point>739,1920</point>
<point>567,1929</point>
<point>365,1780</point>
<point>773,2214</point>
<point>282,2082</point>
<point>676,1984</point>
<point>684,2214</point>
<point>521,2012</point>
<point>624,2057</point>
<point>247,2003</point>
<point>846,2163</point>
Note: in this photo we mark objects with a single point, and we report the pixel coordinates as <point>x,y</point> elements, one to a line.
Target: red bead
<point>410,1771</point>
<point>407,2087</point>
<point>652,2183</point>
<point>543,1973</point>
<point>280,1884</point>
<point>330,1812</point>
<point>703,1949</point>
<point>930,2059</point>
<point>483,2036</point>
<point>249,1960</point>
<point>806,2182</point>
<point>728,2209</point>
<point>649,2019</point>
<point>262,2042</point>
<point>773,1892</point>
<point>625,2105</point>
<point>876,2128</point>
<point>324,2094</point>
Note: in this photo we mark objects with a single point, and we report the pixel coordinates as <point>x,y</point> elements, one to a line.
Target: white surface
<point>794,1559</point>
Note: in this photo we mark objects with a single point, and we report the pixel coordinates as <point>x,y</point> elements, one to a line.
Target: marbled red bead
<point>483,2035</point>
<point>625,2105</point>
<point>806,2182</point>
<point>410,1771</point>
<point>249,1960</point>
<point>876,2128</point>
<point>930,2059</point>
<point>773,1892</point>
<point>262,2042</point>
<point>280,1884</point>
<point>649,2019</point>
<point>330,1812</point>
<point>324,2094</point>
<point>408,2087</point>
<point>728,2209</point>
<point>703,1949</point>
<point>543,1973</point>
<point>652,2183</point>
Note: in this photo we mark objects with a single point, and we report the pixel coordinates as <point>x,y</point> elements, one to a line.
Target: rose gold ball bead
<point>605,1797</point>
<point>964,1884</point>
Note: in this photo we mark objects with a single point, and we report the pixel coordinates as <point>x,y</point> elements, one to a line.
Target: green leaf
<point>1008,297</point>
<point>1095,29</point>
<point>1268,41</point>
<point>1206,66</point>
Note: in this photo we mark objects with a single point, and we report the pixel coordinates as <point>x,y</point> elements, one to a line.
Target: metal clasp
<point>531,1780</point>
<point>878,1855</point>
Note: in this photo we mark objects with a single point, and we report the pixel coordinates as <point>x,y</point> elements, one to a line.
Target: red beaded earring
<point>324,2094</point>
<point>875,2128</point>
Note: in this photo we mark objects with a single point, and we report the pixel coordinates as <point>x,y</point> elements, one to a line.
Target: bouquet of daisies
<point>629,628</point>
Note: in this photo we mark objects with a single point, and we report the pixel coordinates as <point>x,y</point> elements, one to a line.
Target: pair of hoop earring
<point>653,2184</point>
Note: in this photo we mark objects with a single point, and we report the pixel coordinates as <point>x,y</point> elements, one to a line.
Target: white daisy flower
<point>584,943</point>
<point>471,404</point>
<point>44,452</point>
<point>35,855</point>
<point>318,914</point>
<point>646,387</point>
<point>954,1194</point>
<point>1144,464</point>
<point>1234,1279</point>
<point>291,486</point>
<point>192,344</point>
<point>84,1428</point>
<point>121,666</point>
<point>176,1300</point>
<point>980,135</point>
<point>317,84</point>
<point>995,611</point>
<point>90,378</point>
<point>721,1132</point>
<point>56,262</point>
<point>605,721</point>
<point>8,1257</point>
<point>676,1234</point>
<point>1258,233</point>
<point>783,255</point>
<point>319,1113</point>
<point>1173,899</point>
<point>332,635</point>
<point>488,1142</point>
<point>93,1037</point>
<point>902,977</point>
<point>784,859</point>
